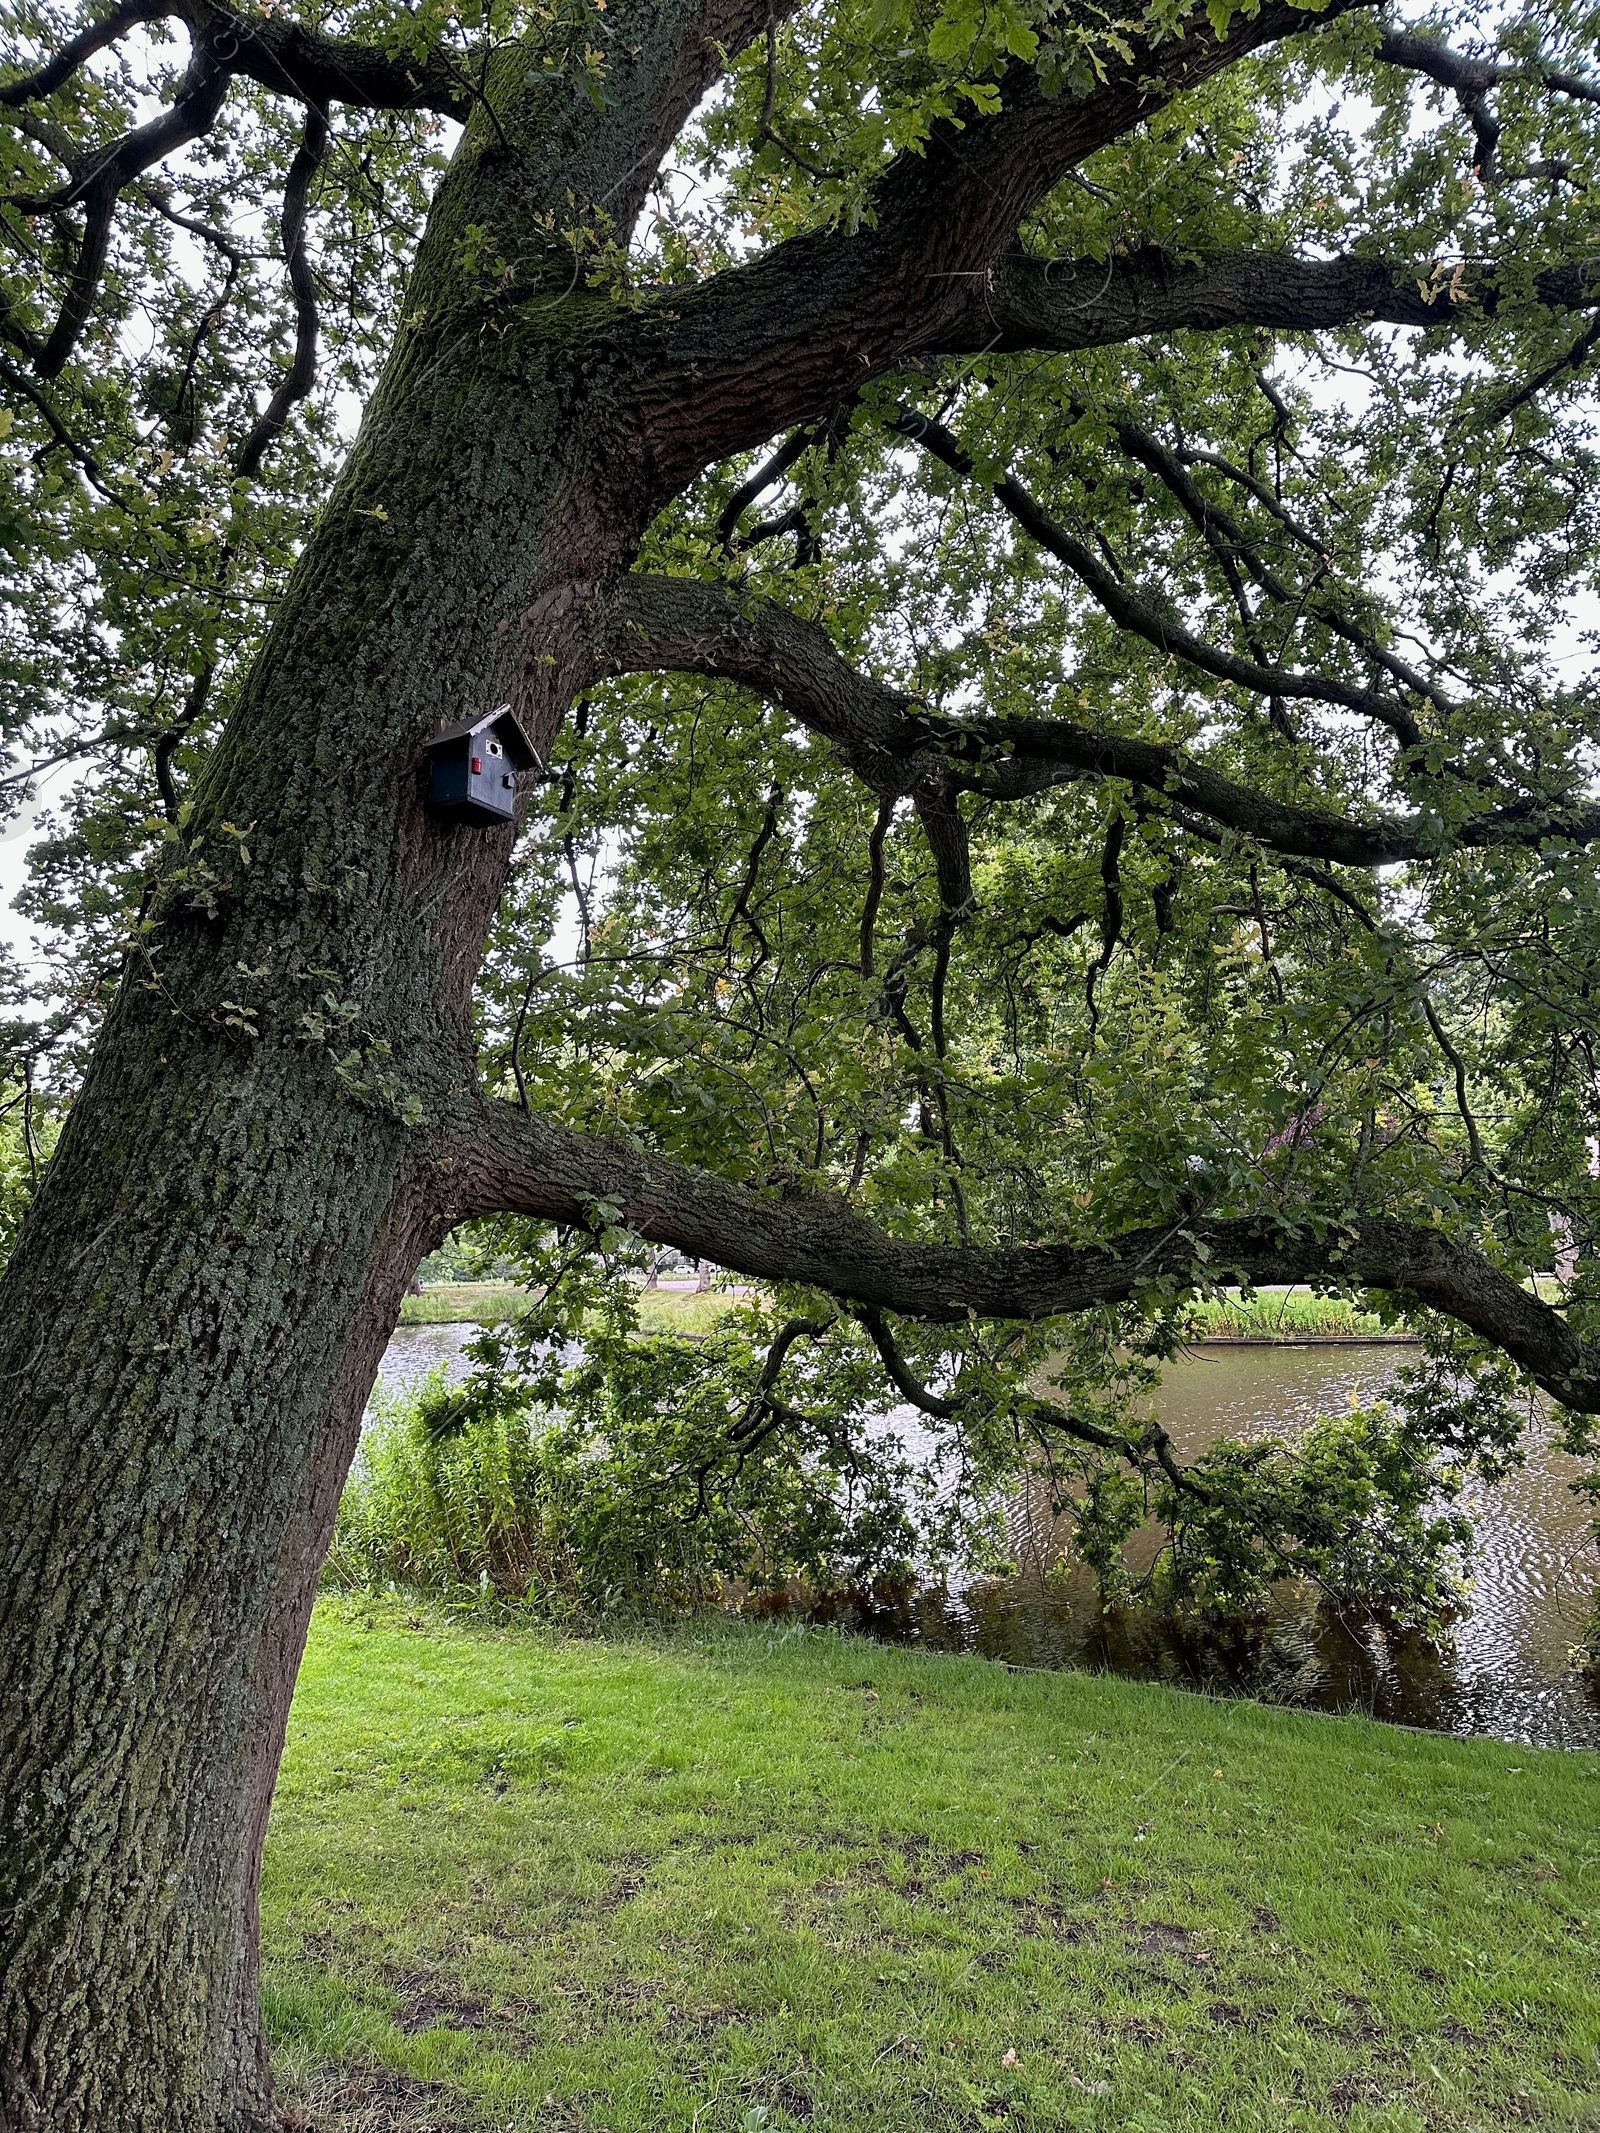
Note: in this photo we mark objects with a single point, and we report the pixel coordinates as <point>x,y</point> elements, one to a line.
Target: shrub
<point>443,1501</point>
<point>652,1502</point>
<point>1356,1506</point>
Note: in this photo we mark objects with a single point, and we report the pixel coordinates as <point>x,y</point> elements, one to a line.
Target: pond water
<point>415,1350</point>
<point>1506,1672</point>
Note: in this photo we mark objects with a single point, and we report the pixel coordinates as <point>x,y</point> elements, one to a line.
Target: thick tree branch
<point>273,50</point>
<point>525,1164</point>
<point>778,341</point>
<point>770,471</point>
<point>795,1329</point>
<point>1066,304</point>
<point>875,883</point>
<point>1458,70</point>
<point>897,745</point>
<point>1137,1451</point>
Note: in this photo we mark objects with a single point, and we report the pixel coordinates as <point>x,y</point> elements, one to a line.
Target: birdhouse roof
<point>506,727</point>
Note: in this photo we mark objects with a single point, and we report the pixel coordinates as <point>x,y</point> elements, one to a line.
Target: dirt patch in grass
<point>1355,2092</point>
<point>1161,1939</point>
<point>428,2001</point>
<point>374,2099</point>
<point>795,2103</point>
<point>697,2025</point>
<point>636,1872</point>
<point>1359,2024</point>
<point>1045,1920</point>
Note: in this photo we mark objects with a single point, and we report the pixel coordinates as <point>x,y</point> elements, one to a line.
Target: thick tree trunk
<point>193,1375</point>
<point>191,1325</point>
<point>277,1124</point>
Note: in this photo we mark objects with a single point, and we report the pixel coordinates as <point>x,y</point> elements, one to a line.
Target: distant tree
<point>1038,552</point>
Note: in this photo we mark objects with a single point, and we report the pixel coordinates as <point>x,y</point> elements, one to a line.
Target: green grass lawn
<point>735,1878</point>
<point>682,1310</point>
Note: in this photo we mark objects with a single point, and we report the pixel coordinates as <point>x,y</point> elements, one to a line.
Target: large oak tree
<point>1038,550</point>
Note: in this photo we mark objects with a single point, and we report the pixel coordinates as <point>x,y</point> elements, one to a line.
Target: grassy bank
<point>1290,1315</point>
<point>1272,1314</point>
<point>729,1879</point>
<point>463,1303</point>
<point>486,1303</point>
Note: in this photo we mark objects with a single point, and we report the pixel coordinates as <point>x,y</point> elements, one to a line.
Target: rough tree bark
<point>264,1148</point>
<point>282,1115</point>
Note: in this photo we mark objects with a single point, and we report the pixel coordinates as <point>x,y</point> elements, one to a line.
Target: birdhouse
<point>473,765</point>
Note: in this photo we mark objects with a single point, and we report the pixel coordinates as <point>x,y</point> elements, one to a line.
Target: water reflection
<point>1507,1672</point>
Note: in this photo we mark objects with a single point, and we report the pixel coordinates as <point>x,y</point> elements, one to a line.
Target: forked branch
<point>897,745</point>
<point>1143,617</point>
<point>1472,79</point>
<point>96,186</point>
<point>278,52</point>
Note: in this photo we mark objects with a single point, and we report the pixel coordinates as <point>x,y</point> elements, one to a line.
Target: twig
<point>766,131</point>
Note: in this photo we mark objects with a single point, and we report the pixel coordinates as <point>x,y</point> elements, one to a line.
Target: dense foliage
<point>1009,985</point>
<point>481,1497</point>
<point>582,1466</point>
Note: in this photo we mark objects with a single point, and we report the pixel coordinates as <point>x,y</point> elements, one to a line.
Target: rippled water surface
<point>1507,1672</point>
<point>415,1350</point>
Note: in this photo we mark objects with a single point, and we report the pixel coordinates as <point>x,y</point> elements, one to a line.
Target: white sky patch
<point>17,836</point>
